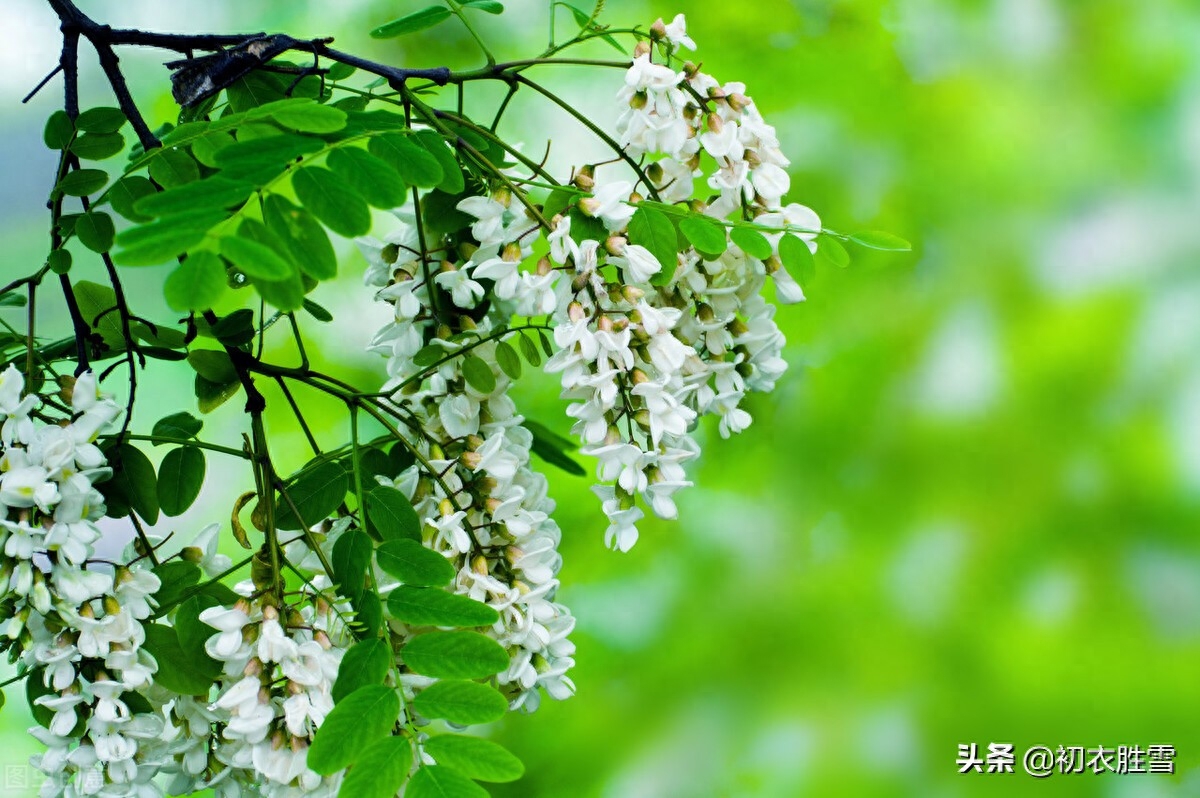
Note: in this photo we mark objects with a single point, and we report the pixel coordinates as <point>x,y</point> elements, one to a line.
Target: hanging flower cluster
<point>404,588</point>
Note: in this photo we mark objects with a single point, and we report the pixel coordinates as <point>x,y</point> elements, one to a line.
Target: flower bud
<point>390,253</point>
<point>111,605</point>
<point>471,460</point>
<point>642,48</point>
<point>615,245</point>
<point>580,282</point>
<point>658,31</point>
<point>480,565</point>
<point>575,312</point>
<point>738,101</point>
<point>192,554</point>
<point>632,294</point>
<point>714,122</point>
<point>544,266</point>
<point>511,253</point>
<point>585,177</point>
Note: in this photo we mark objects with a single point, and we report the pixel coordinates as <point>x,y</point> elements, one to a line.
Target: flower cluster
<point>278,669</point>
<point>482,505</point>
<point>76,623</point>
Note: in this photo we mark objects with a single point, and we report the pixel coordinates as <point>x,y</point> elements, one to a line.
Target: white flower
<point>489,229</point>
<point>677,33</point>
<point>610,204</point>
<point>638,264</point>
<point>771,182</point>
<point>273,644</point>
<point>465,292</point>
<point>212,562</point>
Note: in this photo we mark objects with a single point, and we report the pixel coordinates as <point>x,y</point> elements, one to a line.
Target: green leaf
<point>452,175</point>
<point>58,131</point>
<point>59,261</point>
<point>507,360</point>
<point>416,165</point>
<point>173,167</point>
<point>95,230</point>
<point>478,374</point>
<point>193,633</point>
<point>351,559</point>
<point>177,425</point>
<point>180,477</point>
<point>303,237</point>
<point>177,671</point>
<point>368,620</point>
<point>96,303</point>
<point>197,283</point>
<point>206,146</point>
<point>310,117</point>
<point>285,295</point>
<point>433,781</point>
<point>340,71</point>
<point>413,564</point>
<point>101,120</point>
<point>490,6</point>
<point>432,606</point>
<point>211,395</point>
<point>462,702</point>
<point>11,299</point>
<point>270,153</point>
<point>212,193</point>
<point>235,329</point>
<point>332,200</point>
<point>797,259</point>
<point>379,771</point>
<point>391,513</point>
<point>134,479</point>
<point>552,448</point>
<point>455,655</point>
<point>530,351</point>
<point>124,194</point>
<point>253,258</point>
<point>97,146</point>
<point>752,242</point>
<point>213,365</point>
<point>318,312</point>
<point>178,577</point>
<point>165,239</point>
<point>365,662</point>
<point>358,720</point>
<point>475,757</point>
<point>706,235</point>
<point>878,239</point>
<point>372,177</point>
<point>831,250</point>
<point>411,23</point>
<point>653,230</point>
<point>316,493</point>
<point>82,182</point>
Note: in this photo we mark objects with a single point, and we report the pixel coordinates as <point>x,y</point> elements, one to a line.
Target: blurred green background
<point>966,515</point>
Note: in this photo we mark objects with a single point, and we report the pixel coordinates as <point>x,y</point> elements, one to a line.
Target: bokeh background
<point>968,513</point>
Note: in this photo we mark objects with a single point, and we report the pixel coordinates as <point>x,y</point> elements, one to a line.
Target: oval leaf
<point>372,177</point>
<point>305,239</point>
<point>380,770</point>
<point>366,662</point>
<point>415,164</point>
<point>413,564</point>
<point>455,655</point>
<point>316,494</point>
<point>878,239</point>
<point>95,230</point>
<point>255,259</point>
<point>332,200</point>
<point>392,514</point>
<point>475,757</point>
<point>752,242</point>
<point>411,23</point>
<point>360,719</point>
<point>462,702</point>
<point>432,781</point>
<point>197,283</point>
<point>431,606</point>
<point>180,477</point>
